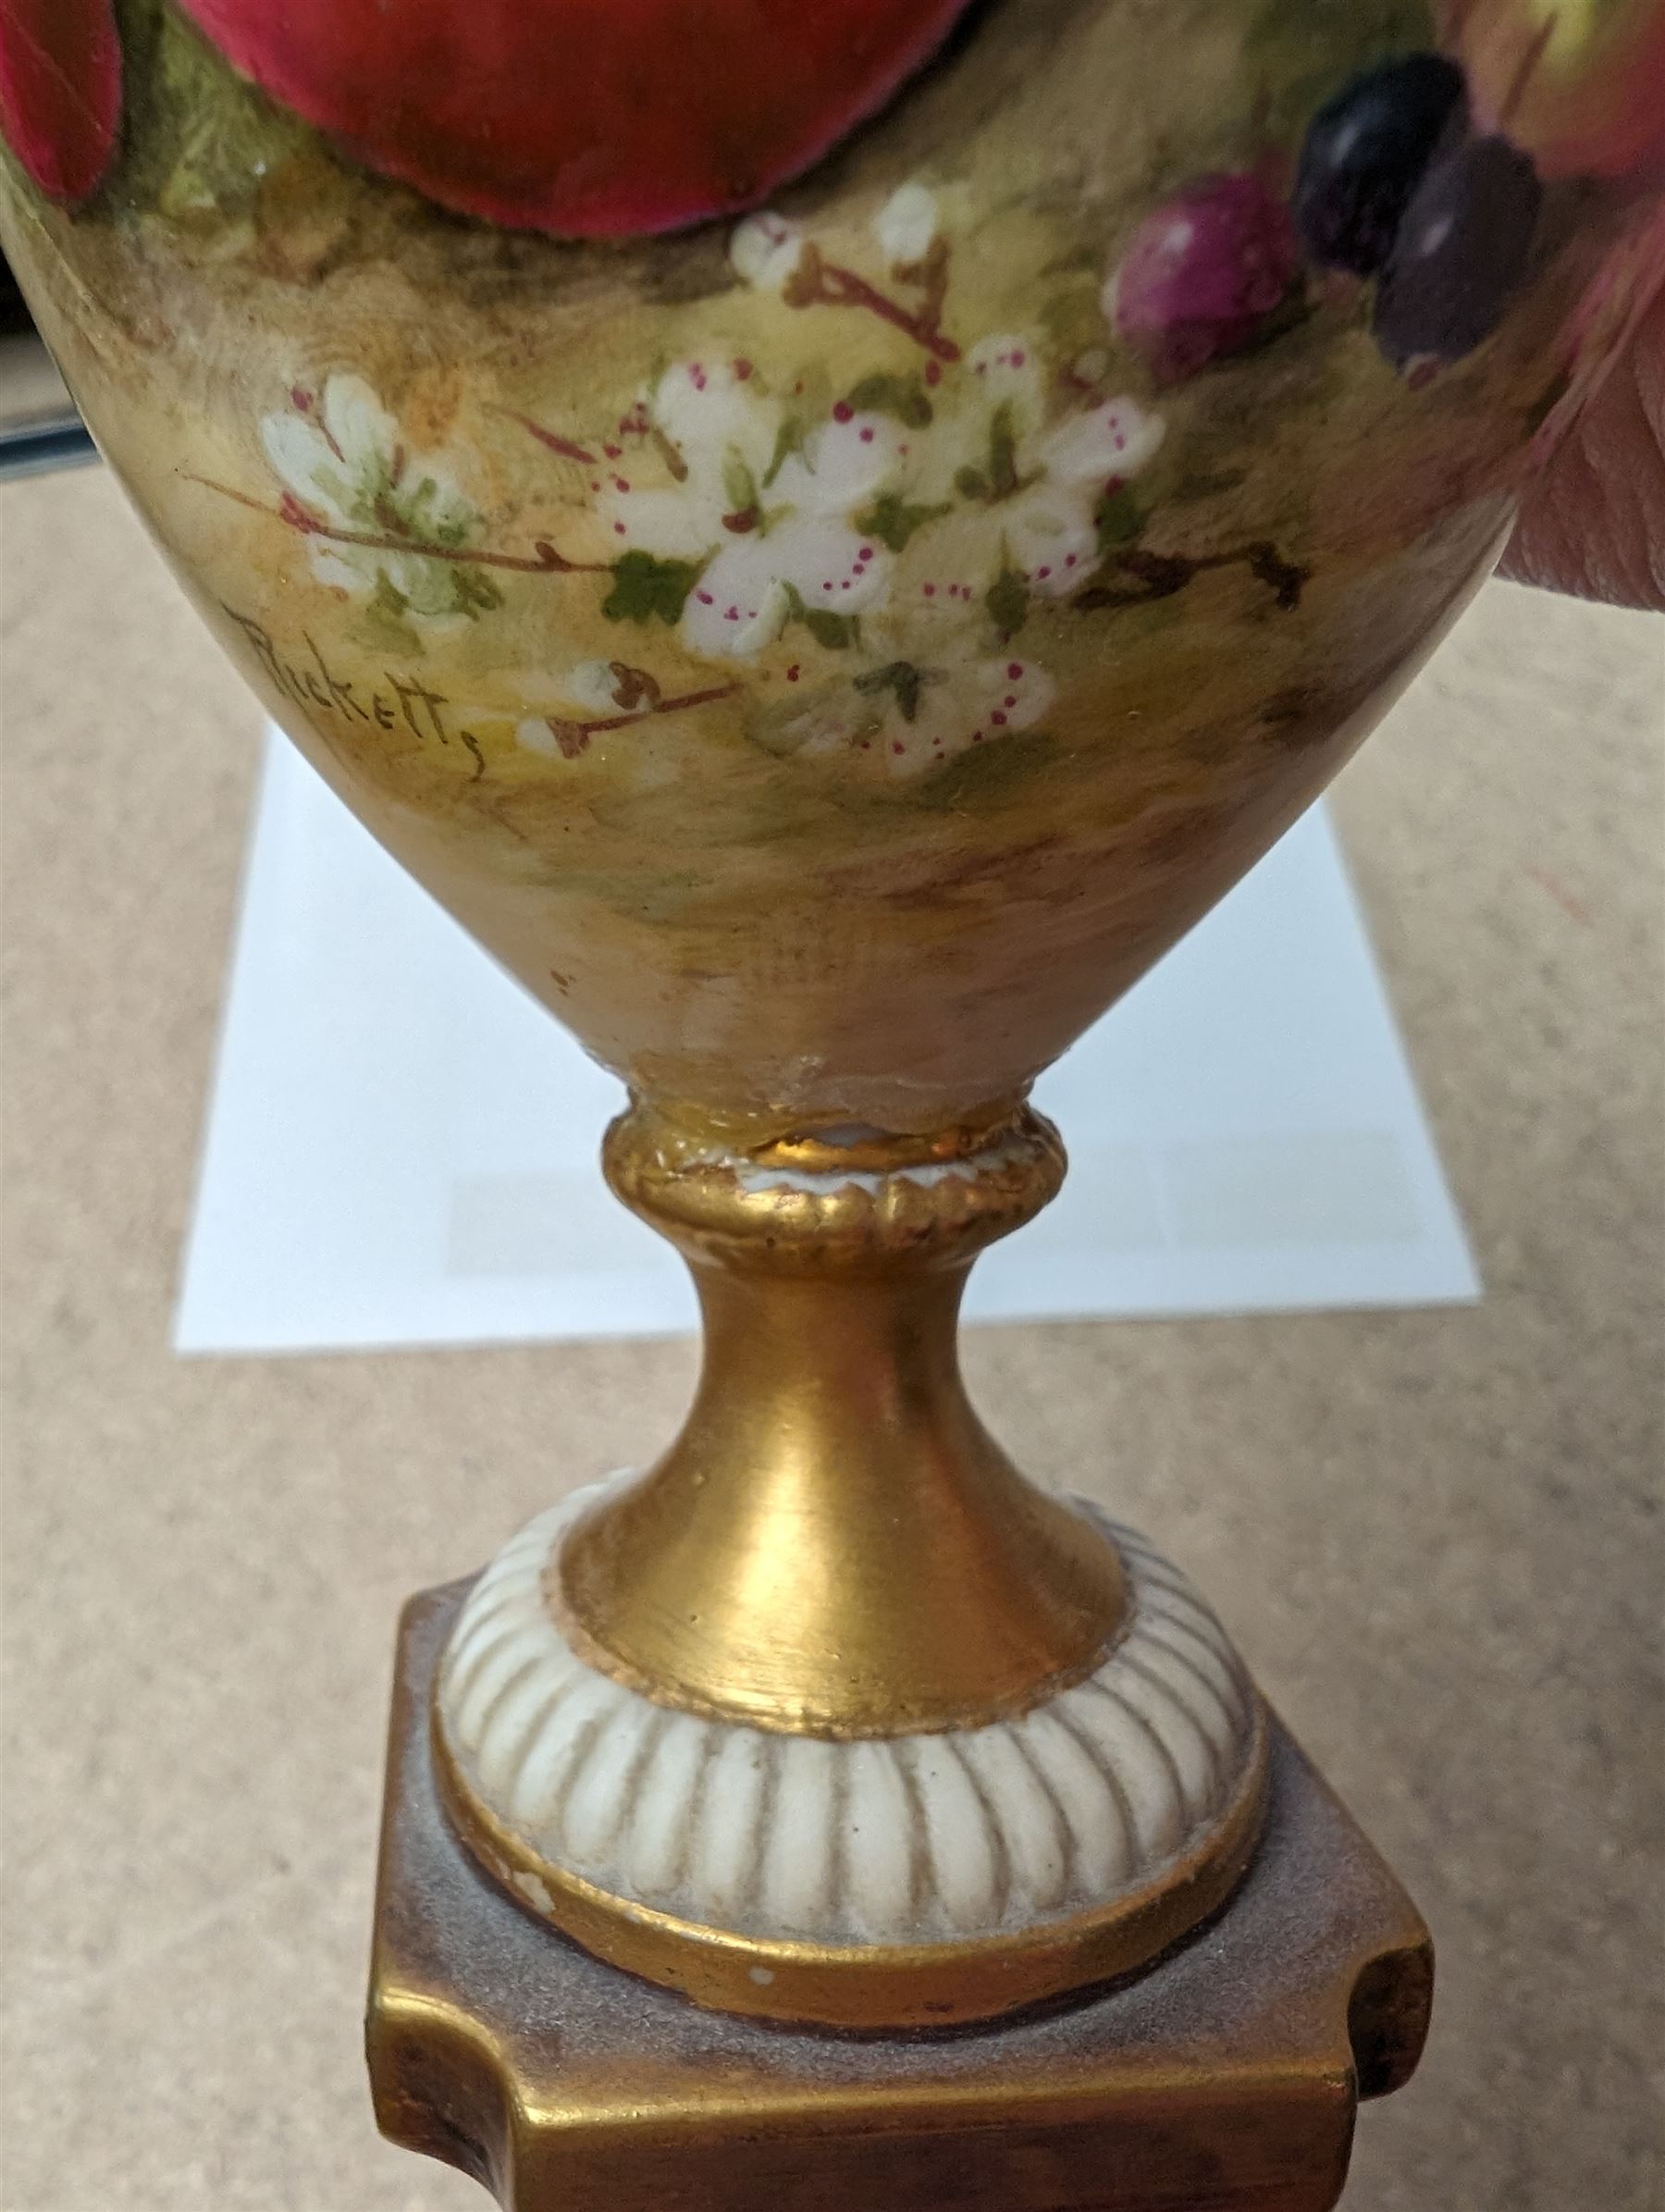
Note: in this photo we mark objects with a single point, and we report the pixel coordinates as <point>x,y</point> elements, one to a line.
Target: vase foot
<point>912,1880</point>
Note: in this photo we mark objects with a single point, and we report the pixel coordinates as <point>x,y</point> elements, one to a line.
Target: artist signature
<point>390,702</point>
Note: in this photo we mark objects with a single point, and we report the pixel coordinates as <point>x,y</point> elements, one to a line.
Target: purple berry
<point>1364,155</point>
<point>1201,272</point>
<point>1460,251</point>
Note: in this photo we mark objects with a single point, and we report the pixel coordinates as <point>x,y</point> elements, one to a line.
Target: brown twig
<point>817,282</point>
<point>1160,576</point>
<point>543,559</point>
<point>565,447</point>
<point>637,692</point>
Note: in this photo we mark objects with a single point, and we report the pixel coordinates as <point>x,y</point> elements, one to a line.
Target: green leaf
<point>420,512</point>
<point>473,592</point>
<point>383,624</point>
<point>884,393</point>
<point>200,141</point>
<point>1008,599</point>
<point>425,512</point>
<point>1117,519</point>
<point>739,485</point>
<point>901,678</point>
<point>1002,479</point>
<point>983,772</point>
<point>388,599</point>
<point>834,631</point>
<point>643,588</point>
<point>1003,453</point>
<point>893,520</point>
<point>789,439</point>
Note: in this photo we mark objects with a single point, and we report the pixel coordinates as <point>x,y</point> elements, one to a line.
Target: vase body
<point>828,652</point>
<point>827,539</point>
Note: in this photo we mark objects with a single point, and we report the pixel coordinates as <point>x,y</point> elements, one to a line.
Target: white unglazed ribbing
<point>908,1839</point>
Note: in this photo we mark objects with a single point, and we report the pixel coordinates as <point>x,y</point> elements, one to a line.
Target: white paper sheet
<point>401,1145</point>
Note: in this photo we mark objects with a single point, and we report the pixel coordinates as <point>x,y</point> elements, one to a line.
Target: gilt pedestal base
<point>914,1881</point>
<point>1227,2076</point>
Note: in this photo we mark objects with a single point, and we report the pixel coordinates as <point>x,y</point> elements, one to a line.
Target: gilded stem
<point>835,1545</point>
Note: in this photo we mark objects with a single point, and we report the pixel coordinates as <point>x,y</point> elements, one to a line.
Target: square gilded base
<point>1224,2079</point>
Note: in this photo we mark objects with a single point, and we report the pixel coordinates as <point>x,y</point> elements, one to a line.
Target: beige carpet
<point>1434,1533</point>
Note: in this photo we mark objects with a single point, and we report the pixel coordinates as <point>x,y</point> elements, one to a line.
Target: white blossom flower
<point>1022,495</point>
<point>603,687</point>
<point>348,471</point>
<point>906,225</point>
<point>765,249</point>
<point>905,718</point>
<point>771,523</point>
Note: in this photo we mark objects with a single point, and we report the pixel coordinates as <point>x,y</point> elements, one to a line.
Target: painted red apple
<point>588,117</point>
<point>1579,84</point>
<point>60,90</point>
